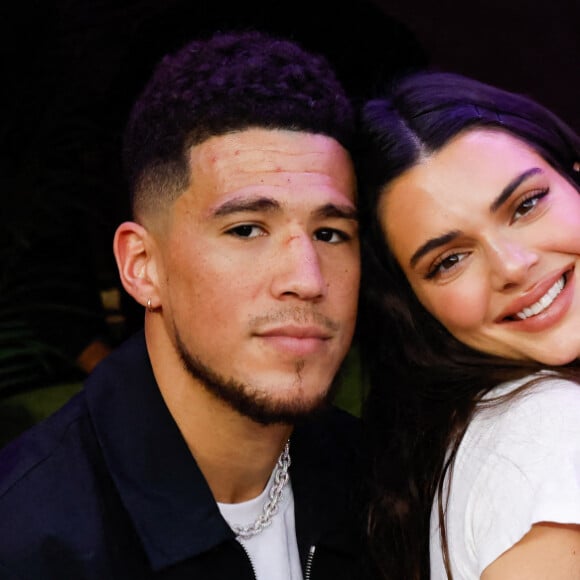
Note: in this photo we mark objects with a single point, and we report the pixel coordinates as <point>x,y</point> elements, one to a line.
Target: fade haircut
<point>228,82</point>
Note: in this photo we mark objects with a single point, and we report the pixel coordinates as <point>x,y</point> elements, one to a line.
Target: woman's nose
<point>511,262</point>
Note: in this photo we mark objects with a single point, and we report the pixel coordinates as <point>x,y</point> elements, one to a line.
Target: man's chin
<point>269,412</point>
<point>260,405</point>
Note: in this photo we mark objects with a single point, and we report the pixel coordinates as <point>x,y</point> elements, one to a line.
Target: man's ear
<point>132,246</point>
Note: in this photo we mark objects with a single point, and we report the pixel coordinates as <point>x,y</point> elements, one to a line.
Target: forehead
<point>470,168</point>
<point>469,150</point>
<point>276,162</point>
<point>454,187</point>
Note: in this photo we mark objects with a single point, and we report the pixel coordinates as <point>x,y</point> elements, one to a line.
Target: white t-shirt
<point>273,551</point>
<point>517,465</point>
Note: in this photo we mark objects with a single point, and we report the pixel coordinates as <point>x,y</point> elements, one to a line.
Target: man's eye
<point>246,231</point>
<point>331,235</point>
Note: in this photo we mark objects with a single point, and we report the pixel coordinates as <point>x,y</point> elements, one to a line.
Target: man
<point>205,447</point>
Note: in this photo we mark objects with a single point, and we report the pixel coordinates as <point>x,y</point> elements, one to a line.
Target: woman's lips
<point>560,295</point>
<point>544,302</point>
<point>537,301</point>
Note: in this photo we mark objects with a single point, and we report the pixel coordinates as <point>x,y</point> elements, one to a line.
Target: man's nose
<point>297,270</point>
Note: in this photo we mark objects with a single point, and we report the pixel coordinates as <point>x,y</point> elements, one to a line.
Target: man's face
<point>259,269</point>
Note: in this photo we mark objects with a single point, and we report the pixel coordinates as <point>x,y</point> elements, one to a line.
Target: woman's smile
<point>486,232</point>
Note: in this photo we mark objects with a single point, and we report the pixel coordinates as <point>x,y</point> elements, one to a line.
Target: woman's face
<point>488,234</point>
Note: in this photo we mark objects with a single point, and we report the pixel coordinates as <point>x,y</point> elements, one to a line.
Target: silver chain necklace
<point>271,506</point>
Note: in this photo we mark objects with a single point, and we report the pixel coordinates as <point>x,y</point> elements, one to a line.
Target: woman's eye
<point>529,204</point>
<point>444,265</point>
<point>331,235</point>
<point>246,231</point>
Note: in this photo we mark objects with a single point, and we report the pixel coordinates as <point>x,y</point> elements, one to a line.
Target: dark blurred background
<point>530,46</point>
<point>70,70</point>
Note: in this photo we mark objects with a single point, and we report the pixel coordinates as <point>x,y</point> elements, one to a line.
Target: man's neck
<point>236,454</point>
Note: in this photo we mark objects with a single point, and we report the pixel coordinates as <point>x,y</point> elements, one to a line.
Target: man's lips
<point>296,340</point>
<point>300,332</point>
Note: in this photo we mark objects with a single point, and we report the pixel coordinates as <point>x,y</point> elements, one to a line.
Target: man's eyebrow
<point>241,205</point>
<point>332,210</point>
<point>511,187</point>
<point>329,210</point>
<point>432,244</point>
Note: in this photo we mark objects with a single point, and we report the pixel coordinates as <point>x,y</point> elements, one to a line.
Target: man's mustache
<point>297,315</point>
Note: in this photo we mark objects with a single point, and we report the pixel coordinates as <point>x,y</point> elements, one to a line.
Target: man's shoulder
<point>54,485</point>
<point>46,454</point>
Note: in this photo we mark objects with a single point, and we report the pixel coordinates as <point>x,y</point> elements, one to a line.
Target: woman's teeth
<point>544,301</point>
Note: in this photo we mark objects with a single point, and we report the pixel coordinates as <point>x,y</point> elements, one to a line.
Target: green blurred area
<point>351,392</point>
<point>22,410</point>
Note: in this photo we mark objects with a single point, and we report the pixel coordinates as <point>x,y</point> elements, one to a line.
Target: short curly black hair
<point>230,81</point>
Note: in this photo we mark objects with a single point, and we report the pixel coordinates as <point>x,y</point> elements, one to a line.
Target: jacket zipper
<point>308,568</point>
<point>249,559</point>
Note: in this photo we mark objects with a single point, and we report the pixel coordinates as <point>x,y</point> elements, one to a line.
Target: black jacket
<point>106,488</point>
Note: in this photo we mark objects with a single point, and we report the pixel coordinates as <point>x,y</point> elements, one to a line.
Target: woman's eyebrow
<point>511,187</point>
<point>432,244</point>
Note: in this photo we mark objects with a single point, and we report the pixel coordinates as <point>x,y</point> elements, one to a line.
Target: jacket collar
<point>162,487</point>
<point>158,480</point>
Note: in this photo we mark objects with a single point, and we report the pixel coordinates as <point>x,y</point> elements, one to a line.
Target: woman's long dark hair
<point>425,385</point>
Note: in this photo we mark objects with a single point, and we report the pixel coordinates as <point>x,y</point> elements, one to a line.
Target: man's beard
<point>243,398</point>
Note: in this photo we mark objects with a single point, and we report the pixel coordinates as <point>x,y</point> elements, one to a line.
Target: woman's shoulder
<point>527,420</point>
<point>540,397</point>
<point>517,465</point>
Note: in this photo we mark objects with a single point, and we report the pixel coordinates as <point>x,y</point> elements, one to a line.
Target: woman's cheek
<point>459,308</point>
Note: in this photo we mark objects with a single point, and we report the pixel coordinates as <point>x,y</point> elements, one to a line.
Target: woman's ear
<point>132,246</point>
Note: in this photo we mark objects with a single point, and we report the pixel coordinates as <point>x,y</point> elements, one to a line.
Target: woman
<point>470,332</point>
